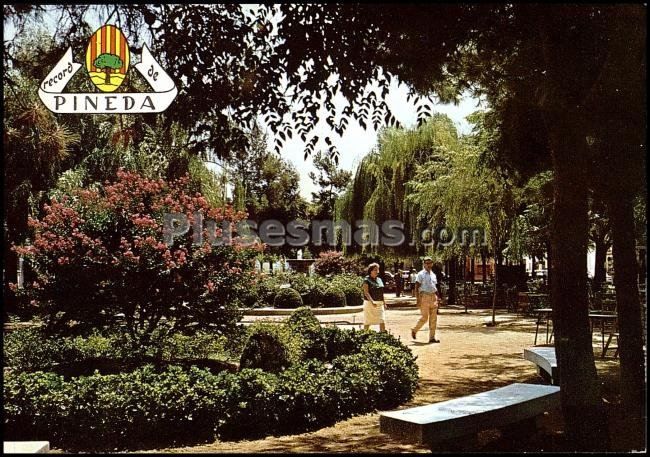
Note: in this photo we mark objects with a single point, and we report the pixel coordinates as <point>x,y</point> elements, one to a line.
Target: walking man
<point>426,295</point>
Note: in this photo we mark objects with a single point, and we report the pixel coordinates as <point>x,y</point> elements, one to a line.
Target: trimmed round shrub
<point>303,322</point>
<point>332,298</point>
<point>309,288</point>
<point>271,347</point>
<point>340,342</point>
<point>287,298</point>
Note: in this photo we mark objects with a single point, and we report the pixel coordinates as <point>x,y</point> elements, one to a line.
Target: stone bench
<point>544,358</point>
<point>26,447</point>
<point>438,423</point>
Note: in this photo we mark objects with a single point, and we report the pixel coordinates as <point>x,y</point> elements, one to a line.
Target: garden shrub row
<point>353,372</point>
<point>31,349</point>
<point>314,291</point>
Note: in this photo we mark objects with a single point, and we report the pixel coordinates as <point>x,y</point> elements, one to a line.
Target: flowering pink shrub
<point>99,254</point>
<point>334,263</point>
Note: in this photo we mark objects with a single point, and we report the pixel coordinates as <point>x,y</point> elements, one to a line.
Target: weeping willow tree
<point>458,190</point>
<point>446,193</point>
<point>378,191</point>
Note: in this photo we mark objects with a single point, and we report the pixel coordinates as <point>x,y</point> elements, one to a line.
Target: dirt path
<point>471,358</point>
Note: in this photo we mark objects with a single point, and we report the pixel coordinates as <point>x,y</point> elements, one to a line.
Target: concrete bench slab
<point>544,358</point>
<point>469,415</point>
<point>26,447</point>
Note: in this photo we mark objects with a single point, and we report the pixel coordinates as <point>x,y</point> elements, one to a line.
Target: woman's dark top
<point>375,287</point>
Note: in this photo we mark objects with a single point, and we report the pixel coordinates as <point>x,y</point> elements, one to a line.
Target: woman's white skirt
<point>373,315</point>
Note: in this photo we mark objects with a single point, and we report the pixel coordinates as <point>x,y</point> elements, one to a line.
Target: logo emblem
<point>107,58</point>
<point>108,61</point>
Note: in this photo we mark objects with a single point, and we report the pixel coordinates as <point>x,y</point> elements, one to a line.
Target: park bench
<point>515,408</point>
<point>26,447</point>
<point>544,358</point>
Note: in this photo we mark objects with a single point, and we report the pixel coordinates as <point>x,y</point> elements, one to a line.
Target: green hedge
<point>351,286</point>
<point>327,297</point>
<point>160,407</point>
<point>315,291</point>
<point>30,349</point>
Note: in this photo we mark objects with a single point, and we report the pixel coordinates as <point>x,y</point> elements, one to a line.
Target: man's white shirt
<point>428,281</point>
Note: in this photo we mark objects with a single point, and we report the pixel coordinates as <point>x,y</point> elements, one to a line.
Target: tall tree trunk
<point>601,256</point>
<point>582,405</point>
<point>494,292</point>
<point>549,262</point>
<point>629,313</point>
<point>17,216</point>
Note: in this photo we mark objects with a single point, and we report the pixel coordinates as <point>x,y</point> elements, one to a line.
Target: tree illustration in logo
<point>108,62</point>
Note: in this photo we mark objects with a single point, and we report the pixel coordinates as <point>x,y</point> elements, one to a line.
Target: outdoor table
<point>537,297</point>
<point>543,313</point>
<point>602,317</point>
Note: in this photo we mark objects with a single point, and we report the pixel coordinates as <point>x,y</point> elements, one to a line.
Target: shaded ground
<point>471,358</point>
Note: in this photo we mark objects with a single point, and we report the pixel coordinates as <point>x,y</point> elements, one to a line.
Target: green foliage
<point>305,324</point>
<point>350,285</point>
<point>306,391</point>
<point>308,287</point>
<point>176,406</point>
<point>250,405</point>
<point>315,291</point>
<point>348,342</point>
<point>287,298</point>
<point>330,182</point>
<point>266,185</point>
<point>261,290</point>
<point>331,298</point>
<point>111,237</point>
<point>271,347</point>
<point>210,184</point>
<point>398,373</point>
<point>108,61</point>
<point>379,189</point>
<point>201,345</point>
<point>340,342</point>
<point>32,349</point>
<point>303,319</point>
<point>95,412</point>
<point>28,349</point>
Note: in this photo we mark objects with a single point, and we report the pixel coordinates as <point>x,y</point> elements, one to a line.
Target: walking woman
<point>373,305</point>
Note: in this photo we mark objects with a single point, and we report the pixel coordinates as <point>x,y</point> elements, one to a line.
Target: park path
<point>471,358</point>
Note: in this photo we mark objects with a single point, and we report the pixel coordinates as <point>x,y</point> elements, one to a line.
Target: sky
<point>355,142</point>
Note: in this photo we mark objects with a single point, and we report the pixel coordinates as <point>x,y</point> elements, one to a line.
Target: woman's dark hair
<point>372,266</point>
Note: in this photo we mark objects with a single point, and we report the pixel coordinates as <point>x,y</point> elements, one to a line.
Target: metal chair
<point>544,318</point>
<point>612,330</point>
